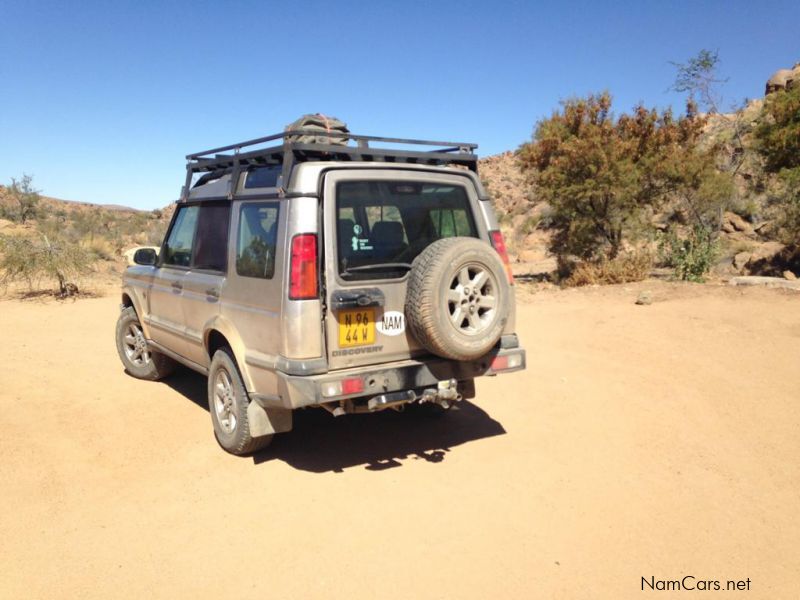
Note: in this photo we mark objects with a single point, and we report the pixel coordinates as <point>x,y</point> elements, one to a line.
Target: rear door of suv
<point>376,222</point>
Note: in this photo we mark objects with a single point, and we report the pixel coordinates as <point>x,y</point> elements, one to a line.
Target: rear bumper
<point>298,391</point>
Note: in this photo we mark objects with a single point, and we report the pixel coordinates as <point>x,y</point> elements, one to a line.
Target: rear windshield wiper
<point>377,267</point>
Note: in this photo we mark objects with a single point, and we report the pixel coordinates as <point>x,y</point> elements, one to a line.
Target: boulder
<point>765,251</point>
<point>732,222</point>
<point>789,275</point>
<point>784,79</point>
<point>773,282</point>
<point>644,299</point>
<point>740,260</point>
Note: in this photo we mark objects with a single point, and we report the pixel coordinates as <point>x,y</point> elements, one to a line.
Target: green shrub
<point>530,224</point>
<point>690,255</point>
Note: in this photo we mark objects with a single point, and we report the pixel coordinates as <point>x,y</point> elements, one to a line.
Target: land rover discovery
<point>336,273</point>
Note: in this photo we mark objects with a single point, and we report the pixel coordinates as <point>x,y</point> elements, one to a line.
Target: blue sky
<point>101,101</point>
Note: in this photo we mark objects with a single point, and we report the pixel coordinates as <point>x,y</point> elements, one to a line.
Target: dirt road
<point>643,441</point>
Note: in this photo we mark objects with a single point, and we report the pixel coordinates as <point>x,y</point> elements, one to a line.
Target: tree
<point>24,199</point>
<point>778,139</point>
<point>605,177</point>
<point>698,77</point>
<point>30,260</point>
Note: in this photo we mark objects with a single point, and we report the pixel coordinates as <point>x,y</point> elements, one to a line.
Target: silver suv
<point>330,273</point>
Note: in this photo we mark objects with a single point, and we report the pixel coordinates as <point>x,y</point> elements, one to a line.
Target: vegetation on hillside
<point>606,177</point>
<point>618,188</point>
<point>35,261</point>
<point>22,200</point>
<point>778,139</point>
<point>54,244</point>
<point>609,194</point>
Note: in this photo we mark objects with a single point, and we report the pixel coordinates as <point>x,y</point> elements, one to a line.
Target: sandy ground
<point>643,441</point>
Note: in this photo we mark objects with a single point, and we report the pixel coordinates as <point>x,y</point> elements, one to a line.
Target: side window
<point>211,240</point>
<point>262,177</point>
<point>257,240</point>
<point>178,250</point>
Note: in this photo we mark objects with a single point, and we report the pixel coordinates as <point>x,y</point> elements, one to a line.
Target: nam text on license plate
<point>356,327</point>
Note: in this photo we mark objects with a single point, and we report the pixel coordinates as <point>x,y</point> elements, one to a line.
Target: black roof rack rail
<point>288,152</point>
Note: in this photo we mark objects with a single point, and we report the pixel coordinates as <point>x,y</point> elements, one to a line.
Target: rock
<point>775,282</point>
<point>762,225</point>
<point>766,229</point>
<point>644,299</point>
<point>741,260</point>
<point>783,79</point>
<point>767,250</point>
<point>736,223</point>
<point>789,275</point>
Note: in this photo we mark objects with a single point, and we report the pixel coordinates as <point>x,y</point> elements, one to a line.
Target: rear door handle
<point>360,298</point>
<point>213,292</point>
<point>177,287</point>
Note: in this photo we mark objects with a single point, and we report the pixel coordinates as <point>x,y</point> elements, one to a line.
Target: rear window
<point>382,226</point>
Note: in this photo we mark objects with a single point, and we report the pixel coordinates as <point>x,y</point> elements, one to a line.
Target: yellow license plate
<point>356,327</point>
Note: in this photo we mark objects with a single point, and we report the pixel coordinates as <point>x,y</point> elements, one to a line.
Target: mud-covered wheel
<point>458,299</point>
<point>139,360</point>
<point>227,403</point>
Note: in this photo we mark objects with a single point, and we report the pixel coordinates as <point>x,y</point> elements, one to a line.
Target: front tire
<point>227,403</point>
<point>139,360</point>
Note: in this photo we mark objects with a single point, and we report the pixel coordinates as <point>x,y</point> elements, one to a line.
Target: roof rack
<point>289,152</point>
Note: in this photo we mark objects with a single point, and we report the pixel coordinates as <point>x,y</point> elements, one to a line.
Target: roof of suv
<point>220,168</point>
<point>304,180</point>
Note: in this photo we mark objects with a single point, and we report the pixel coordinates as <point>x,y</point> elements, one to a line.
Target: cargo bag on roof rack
<point>323,125</point>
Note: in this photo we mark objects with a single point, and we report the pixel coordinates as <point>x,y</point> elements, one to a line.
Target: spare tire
<point>458,298</point>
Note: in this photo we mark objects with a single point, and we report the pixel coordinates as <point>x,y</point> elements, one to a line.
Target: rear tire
<point>227,403</point>
<point>139,360</point>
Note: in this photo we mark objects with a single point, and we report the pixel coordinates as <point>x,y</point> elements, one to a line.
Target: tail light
<point>500,245</point>
<point>342,387</point>
<point>503,363</point>
<point>303,278</point>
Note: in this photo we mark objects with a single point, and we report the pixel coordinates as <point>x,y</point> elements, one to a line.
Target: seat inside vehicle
<point>387,239</point>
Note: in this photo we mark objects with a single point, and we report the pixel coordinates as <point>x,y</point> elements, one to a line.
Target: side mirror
<point>145,256</point>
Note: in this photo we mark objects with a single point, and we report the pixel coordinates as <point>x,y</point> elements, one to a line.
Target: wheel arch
<point>130,299</point>
<point>219,333</point>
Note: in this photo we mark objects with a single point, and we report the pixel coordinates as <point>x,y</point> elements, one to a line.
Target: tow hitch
<point>445,394</point>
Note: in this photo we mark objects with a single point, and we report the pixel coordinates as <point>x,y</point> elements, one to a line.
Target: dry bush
<point>635,266</point>
<point>102,248</point>
<point>34,260</point>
